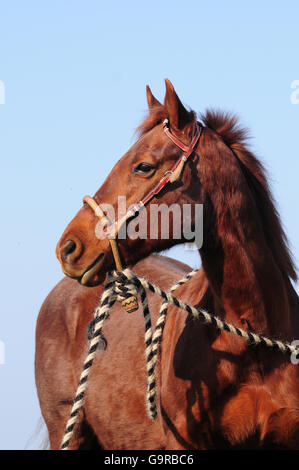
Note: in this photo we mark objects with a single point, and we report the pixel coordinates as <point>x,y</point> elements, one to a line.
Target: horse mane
<point>227,126</point>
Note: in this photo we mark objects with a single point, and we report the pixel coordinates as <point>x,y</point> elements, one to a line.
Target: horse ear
<point>177,114</point>
<point>151,100</point>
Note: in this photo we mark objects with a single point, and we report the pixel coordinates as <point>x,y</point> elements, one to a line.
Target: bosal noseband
<point>169,177</point>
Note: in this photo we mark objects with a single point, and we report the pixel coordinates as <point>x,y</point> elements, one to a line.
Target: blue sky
<point>75,75</point>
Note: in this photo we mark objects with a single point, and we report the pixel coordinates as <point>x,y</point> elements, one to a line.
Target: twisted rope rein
<point>123,284</point>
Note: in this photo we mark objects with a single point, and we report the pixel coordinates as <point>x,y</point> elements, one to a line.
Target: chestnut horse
<point>214,390</point>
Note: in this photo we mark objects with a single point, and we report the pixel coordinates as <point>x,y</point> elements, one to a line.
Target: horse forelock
<point>154,117</point>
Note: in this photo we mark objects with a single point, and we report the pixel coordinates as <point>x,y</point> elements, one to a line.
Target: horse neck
<point>243,275</point>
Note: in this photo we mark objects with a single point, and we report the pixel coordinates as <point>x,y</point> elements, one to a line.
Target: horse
<point>214,390</point>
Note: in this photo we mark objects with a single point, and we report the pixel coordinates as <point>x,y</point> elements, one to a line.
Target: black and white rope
<point>252,338</point>
<point>124,289</point>
<point>119,286</point>
<point>100,315</point>
<point>148,337</point>
<point>163,312</point>
<point>157,336</point>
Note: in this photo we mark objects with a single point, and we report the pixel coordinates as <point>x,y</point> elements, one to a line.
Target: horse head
<point>86,255</point>
<point>178,162</point>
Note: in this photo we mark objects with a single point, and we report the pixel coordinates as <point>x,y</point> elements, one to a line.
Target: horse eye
<point>144,168</point>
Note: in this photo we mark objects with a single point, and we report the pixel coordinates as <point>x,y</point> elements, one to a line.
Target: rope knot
<point>126,289</point>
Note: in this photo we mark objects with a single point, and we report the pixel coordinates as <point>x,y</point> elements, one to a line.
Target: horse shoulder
<point>56,372</point>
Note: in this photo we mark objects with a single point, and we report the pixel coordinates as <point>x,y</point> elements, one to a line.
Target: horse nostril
<point>67,249</point>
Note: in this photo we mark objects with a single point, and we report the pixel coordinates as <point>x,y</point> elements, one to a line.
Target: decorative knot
<point>126,288</point>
